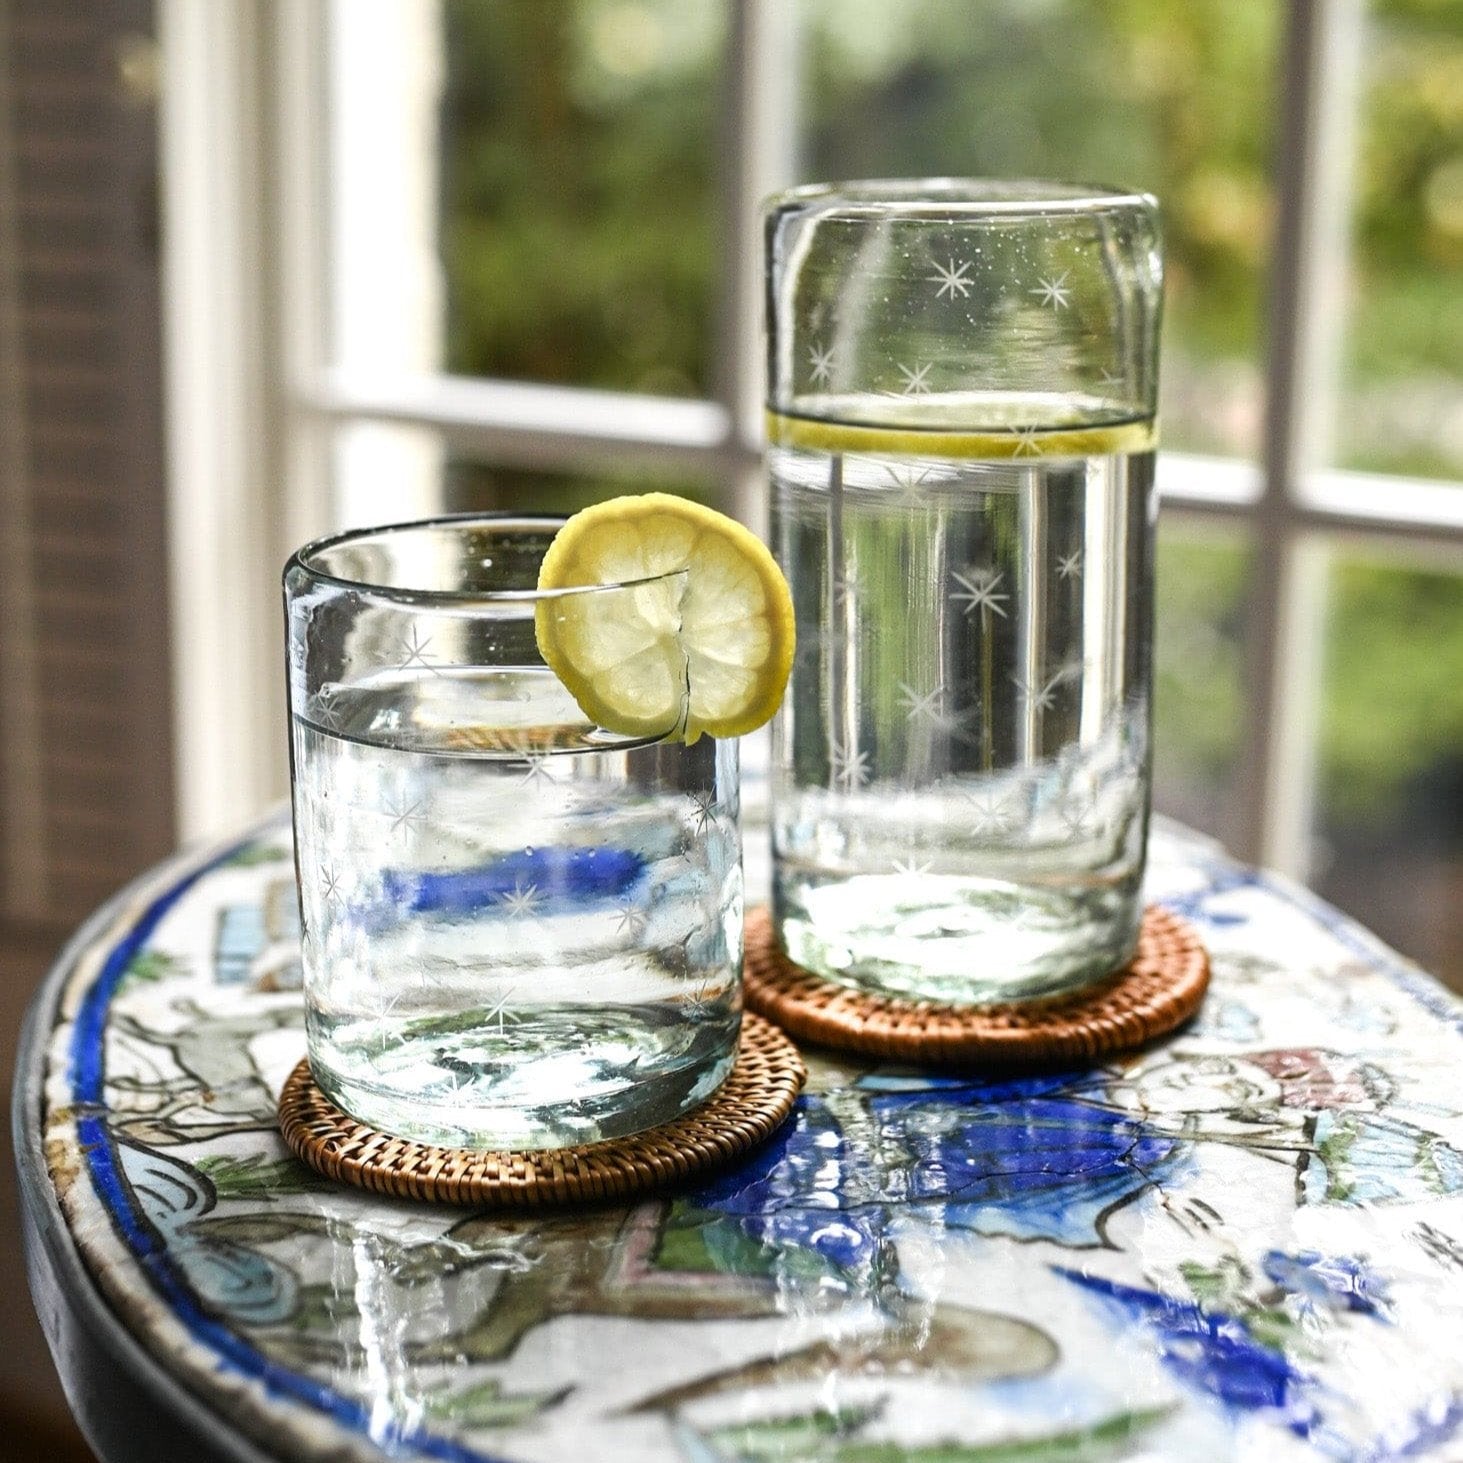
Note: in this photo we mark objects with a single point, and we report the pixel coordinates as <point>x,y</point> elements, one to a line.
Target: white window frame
<point>254,402</point>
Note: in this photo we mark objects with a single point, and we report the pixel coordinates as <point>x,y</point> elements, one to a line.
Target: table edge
<point>51,1253</point>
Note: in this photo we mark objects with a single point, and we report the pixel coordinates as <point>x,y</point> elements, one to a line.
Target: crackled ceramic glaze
<point>1247,1243</point>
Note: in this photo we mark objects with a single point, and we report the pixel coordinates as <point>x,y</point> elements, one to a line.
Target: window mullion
<point>759,128</point>
<point>297,148</point>
<point>221,390</point>
<point>1288,586</point>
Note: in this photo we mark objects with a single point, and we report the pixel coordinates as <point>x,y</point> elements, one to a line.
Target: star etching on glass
<point>1027,443</point>
<point>404,815</point>
<point>631,918</point>
<point>849,766</point>
<point>703,811</point>
<point>1041,697</point>
<point>915,381</point>
<point>845,591</point>
<point>1054,291</point>
<point>522,899</point>
<point>908,482</point>
<point>911,867</point>
<point>327,713</point>
<point>330,890</point>
<point>923,706</point>
<point>536,770</point>
<point>820,358</point>
<point>697,1006</point>
<point>1069,566</point>
<point>383,1006</point>
<point>1111,379</point>
<point>989,813</point>
<point>414,653</point>
<point>500,1015</point>
<point>980,589</point>
<point>951,280</point>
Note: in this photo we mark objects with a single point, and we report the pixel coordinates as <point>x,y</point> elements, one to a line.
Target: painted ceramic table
<point>1246,1243</point>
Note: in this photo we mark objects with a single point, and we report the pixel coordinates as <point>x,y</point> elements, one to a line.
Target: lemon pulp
<point>686,625</point>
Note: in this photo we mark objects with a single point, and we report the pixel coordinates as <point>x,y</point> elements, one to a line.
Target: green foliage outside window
<point>581,239</point>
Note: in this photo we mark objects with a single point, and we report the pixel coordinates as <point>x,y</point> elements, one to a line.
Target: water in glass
<point>961,766</point>
<point>518,931</point>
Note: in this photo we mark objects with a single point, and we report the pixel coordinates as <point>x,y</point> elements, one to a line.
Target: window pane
<point>472,486</point>
<point>1174,96</point>
<point>1198,687</point>
<point>1401,408</point>
<point>387,473</point>
<point>578,190</point>
<point>1389,814</point>
<point>526,189</point>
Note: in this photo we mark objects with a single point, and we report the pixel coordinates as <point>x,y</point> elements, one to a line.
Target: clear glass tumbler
<point>519,930</point>
<point>962,389</point>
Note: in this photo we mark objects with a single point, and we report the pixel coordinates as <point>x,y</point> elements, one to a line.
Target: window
<point>508,253</point>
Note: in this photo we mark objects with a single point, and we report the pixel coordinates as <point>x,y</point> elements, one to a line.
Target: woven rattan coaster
<point>1157,991</point>
<point>747,1108</point>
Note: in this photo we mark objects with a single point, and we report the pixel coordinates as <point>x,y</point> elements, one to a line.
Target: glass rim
<point>948,197</point>
<point>462,598</point>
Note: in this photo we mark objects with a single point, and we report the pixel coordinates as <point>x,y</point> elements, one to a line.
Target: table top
<point>1244,1243</point>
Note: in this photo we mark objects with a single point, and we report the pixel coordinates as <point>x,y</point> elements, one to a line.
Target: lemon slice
<point>815,435</point>
<point>707,650</point>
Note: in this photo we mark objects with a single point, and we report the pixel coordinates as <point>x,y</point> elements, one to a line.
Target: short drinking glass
<point>519,930</point>
<point>962,388</point>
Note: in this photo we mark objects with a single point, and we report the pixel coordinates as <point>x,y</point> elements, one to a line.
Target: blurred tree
<point>1403,406</point>
<point>578,208</point>
<point>1394,699</point>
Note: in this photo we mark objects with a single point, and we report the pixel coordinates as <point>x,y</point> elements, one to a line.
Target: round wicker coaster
<point>1157,991</point>
<point>748,1107</point>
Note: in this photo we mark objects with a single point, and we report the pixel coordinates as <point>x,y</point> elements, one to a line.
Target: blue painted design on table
<point>1314,1117</point>
<point>1033,1158</point>
<point>148,1244</point>
<point>1212,1352</point>
<point>567,875</point>
<point>1336,1282</point>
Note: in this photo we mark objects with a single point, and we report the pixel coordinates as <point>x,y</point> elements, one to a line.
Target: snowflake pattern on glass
<point>916,381</point>
<point>416,654</point>
<point>951,279</point>
<point>980,590</point>
<point>522,899</point>
<point>1054,291</point>
<point>849,767</point>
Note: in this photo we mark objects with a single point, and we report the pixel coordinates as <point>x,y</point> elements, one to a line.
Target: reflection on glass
<point>1389,807</point>
<point>1402,401</point>
<point>1158,96</point>
<point>578,178</point>
<point>1198,690</point>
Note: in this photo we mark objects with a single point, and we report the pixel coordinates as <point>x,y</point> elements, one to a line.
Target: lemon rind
<point>567,565</point>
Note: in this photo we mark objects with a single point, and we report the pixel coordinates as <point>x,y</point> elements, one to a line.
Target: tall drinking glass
<point>519,930</point>
<point>962,388</point>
